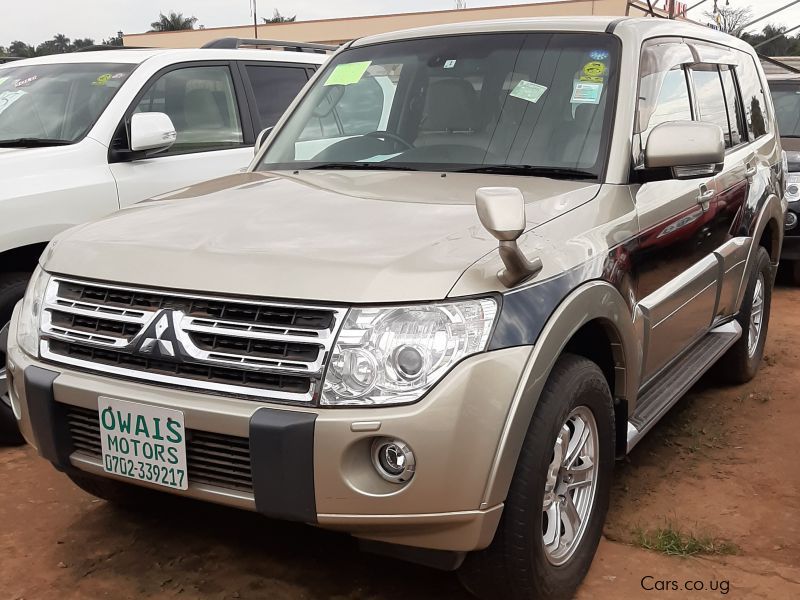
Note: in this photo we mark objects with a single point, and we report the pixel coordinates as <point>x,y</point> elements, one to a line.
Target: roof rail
<point>96,47</point>
<point>234,43</point>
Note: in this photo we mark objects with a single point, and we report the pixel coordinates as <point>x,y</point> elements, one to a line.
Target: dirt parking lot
<point>722,468</point>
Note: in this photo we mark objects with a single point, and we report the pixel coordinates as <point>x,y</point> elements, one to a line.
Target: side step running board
<point>678,378</point>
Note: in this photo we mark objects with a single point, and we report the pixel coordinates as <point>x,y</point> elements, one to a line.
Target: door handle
<point>750,171</point>
<point>704,196</point>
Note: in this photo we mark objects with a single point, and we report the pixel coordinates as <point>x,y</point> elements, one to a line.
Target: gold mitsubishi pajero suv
<point>471,266</point>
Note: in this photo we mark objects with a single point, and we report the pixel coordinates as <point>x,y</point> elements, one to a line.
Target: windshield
<point>786,98</point>
<point>484,103</point>
<point>56,103</point>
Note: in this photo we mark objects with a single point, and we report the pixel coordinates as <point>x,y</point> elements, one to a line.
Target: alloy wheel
<point>756,316</point>
<point>570,486</point>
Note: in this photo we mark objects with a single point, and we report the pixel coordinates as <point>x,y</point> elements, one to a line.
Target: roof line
<point>358,17</point>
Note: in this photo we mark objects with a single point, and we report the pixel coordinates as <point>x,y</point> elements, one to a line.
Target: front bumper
<point>312,464</point>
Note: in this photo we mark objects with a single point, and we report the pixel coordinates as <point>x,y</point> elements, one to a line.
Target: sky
<point>100,19</point>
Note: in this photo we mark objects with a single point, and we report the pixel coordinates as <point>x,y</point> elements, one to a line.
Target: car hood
<point>341,236</point>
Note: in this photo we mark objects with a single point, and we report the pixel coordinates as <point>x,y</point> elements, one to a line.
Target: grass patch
<point>672,541</point>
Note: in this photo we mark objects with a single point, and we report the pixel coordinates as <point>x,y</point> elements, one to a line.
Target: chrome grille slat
<point>229,468</point>
<point>271,350</point>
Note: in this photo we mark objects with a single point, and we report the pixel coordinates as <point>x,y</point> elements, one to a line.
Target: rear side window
<point>734,106</point>
<point>274,89</point>
<point>710,98</point>
<point>755,103</point>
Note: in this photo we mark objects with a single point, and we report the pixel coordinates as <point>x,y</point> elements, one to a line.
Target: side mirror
<point>502,212</point>
<point>261,138</point>
<point>689,148</point>
<point>152,131</point>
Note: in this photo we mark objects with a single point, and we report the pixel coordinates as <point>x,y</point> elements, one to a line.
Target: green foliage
<point>672,541</point>
<point>277,17</point>
<point>173,22</point>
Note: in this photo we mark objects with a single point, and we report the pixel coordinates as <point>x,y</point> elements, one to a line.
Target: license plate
<point>143,442</point>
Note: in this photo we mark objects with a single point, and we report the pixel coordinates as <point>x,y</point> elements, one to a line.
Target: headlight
<point>31,313</point>
<point>394,355</point>
<point>793,187</point>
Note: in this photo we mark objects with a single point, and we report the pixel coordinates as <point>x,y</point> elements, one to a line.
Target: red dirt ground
<point>723,463</point>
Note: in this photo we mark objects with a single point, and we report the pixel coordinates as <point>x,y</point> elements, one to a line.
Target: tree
<point>173,22</point>
<point>114,40</point>
<point>21,49</point>
<point>81,43</point>
<point>277,17</point>
<point>461,4</point>
<point>730,19</point>
<point>61,43</point>
<point>773,41</point>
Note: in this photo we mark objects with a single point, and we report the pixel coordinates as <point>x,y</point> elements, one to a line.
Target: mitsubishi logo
<point>159,338</point>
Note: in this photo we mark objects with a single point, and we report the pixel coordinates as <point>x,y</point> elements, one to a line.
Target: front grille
<point>270,350</point>
<point>212,458</point>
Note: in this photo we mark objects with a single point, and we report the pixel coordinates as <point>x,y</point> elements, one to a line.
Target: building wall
<point>344,29</point>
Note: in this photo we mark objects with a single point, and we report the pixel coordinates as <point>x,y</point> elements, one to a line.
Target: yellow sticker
<point>348,73</point>
<point>591,79</point>
<point>594,69</point>
<point>103,79</point>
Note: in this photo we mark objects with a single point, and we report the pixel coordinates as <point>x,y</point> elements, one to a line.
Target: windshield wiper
<point>554,172</point>
<point>361,166</point>
<point>33,143</point>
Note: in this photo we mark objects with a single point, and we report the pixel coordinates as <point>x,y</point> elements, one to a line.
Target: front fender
<point>596,300</point>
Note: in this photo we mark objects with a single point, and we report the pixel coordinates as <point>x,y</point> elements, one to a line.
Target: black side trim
<point>48,417</point>
<point>282,460</point>
<point>444,560</point>
<point>613,24</point>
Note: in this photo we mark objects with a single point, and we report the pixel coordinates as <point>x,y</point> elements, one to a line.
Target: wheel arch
<point>594,321</point>
<point>768,234</point>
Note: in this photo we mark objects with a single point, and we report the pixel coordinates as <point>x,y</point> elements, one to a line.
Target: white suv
<point>84,134</point>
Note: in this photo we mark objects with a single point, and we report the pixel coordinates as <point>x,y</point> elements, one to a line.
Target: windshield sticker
<point>598,54</point>
<point>25,82</point>
<point>586,93</point>
<point>102,79</point>
<point>348,73</point>
<point>591,79</point>
<point>118,75</point>
<point>8,98</point>
<point>3,80</point>
<point>527,90</point>
<point>449,64</point>
<point>594,69</point>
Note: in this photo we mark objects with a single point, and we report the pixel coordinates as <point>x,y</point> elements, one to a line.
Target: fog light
<point>393,459</point>
<point>790,221</point>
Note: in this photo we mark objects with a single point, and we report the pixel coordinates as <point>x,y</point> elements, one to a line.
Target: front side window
<point>201,103</point>
<point>786,99</point>
<point>663,97</point>
<point>755,102</point>
<point>55,103</point>
<point>472,103</point>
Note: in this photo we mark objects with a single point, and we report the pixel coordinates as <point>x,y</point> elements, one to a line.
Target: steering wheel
<point>388,135</point>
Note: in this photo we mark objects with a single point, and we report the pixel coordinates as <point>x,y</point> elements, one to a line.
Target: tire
<point>12,288</point>
<point>517,566</point>
<point>123,495</point>
<point>740,363</point>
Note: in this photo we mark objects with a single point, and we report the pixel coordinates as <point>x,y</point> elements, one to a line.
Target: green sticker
<point>3,80</point>
<point>103,79</point>
<point>527,90</point>
<point>348,73</point>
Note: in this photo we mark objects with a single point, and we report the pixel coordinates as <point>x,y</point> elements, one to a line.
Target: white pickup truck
<point>88,133</point>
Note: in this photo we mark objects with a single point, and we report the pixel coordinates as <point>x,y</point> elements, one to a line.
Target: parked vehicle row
<point>470,266</point>
<point>85,134</point>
